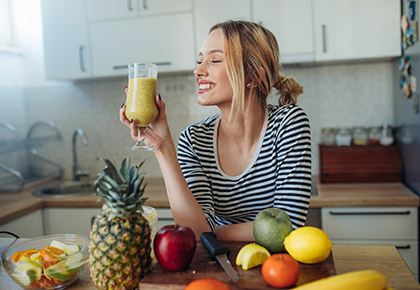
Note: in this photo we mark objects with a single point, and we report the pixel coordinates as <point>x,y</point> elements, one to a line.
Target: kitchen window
<point>6,43</point>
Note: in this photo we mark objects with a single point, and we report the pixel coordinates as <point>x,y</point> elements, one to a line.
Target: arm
<point>235,232</point>
<point>293,183</point>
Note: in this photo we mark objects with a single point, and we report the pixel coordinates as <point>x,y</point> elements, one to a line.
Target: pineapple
<point>119,248</point>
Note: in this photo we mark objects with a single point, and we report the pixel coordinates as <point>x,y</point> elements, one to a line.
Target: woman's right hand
<point>157,133</point>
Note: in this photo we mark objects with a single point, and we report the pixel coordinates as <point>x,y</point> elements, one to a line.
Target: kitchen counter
<point>14,205</point>
<point>346,258</point>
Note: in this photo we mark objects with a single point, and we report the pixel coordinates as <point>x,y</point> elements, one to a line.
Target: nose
<point>201,70</point>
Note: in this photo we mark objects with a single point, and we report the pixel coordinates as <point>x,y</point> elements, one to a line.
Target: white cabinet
<point>69,220</point>
<point>356,29</point>
<point>66,44</point>
<point>165,40</point>
<point>99,10</point>
<point>27,226</point>
<point>397,226</point>
<point>210,12</point>
<point>291,22</point>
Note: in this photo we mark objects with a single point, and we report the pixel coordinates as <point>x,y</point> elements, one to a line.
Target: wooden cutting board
<point>202,267</point>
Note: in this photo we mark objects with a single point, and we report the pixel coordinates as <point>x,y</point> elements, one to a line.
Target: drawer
<point>354,223</point>
<point>409,250</point>
<point>164,217</point>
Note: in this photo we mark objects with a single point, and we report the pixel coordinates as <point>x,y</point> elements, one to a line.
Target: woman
<point>250,157</point>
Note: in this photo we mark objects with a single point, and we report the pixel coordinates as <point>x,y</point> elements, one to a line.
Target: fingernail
<point>122,105</point>
<point>125,88</point>
<point>131,121</point>
<point>160,98</point>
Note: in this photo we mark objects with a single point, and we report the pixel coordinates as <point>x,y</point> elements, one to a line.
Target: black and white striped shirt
<point>278,176</point>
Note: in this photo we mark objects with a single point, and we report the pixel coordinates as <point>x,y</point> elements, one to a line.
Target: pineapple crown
<point>121,192</point>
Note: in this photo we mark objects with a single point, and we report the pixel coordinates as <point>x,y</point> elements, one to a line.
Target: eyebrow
<point>212,51</point>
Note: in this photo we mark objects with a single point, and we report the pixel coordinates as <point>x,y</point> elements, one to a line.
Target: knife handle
<point>212,245</point>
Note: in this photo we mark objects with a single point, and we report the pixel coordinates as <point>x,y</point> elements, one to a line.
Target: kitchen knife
<point>220,253</point>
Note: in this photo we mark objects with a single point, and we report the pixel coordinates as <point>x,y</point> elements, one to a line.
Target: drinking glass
<point>140,104</point>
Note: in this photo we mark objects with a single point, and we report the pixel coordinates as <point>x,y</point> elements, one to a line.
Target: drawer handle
<point>407,247</point>
<point>324,38</point>
<point>370,213</point>
<point>117,67</point>
<point>165,219</point>
<point>81,59</point>
<point>129,5</point>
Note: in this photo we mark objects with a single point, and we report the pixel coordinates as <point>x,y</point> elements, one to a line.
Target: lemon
<point>28,272</point>
<point>251,255</point>
<point>308,245</point>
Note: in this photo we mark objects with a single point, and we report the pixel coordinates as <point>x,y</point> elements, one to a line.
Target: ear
<point>252,84</point>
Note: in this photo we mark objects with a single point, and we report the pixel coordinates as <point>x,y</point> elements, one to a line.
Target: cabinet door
<point>165,40</point>
<point>111,9</point>
<point>27,226</point>
<point>69,220</point>
<point>392,223</point>
<point>155,7</point>
<point>66,49</point>
<point>210,12</point>
<point>291,23</point>
<point>357,29</point>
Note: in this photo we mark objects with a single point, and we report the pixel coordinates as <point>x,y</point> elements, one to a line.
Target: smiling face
<point>214,87</point>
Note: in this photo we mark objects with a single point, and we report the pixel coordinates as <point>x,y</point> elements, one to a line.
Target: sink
<point>65,189</point>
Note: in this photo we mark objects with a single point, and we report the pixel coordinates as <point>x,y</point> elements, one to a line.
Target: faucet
<point>77,172</point>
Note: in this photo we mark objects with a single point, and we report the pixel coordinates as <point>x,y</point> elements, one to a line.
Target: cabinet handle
<point>324,38</point>
<point>129,6</point>
<point>165,219</point>
<point>145,4</point>
<point>117,67</point>
<point>407,247</point>
<point>81,59</point>
<point>370,213</point>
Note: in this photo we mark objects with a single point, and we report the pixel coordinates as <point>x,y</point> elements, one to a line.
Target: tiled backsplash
<point>334,96</point>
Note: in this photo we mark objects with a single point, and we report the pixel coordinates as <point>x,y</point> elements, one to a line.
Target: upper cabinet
<point>156,7</point>
<point>166,41</point>
<point>66,42</point>
<point>291,23</point>
<point>210,12</point>
<point>357,29</point>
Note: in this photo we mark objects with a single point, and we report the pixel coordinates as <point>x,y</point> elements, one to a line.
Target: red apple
<point>174,247</point>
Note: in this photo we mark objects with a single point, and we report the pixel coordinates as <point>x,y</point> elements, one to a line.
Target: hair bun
<point>289,90</point>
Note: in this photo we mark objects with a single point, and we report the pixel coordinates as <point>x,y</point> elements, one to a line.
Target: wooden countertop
<point>14,205</point>
<point>385,259</point>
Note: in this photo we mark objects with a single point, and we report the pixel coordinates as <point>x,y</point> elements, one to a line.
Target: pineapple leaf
<point>112,183</point>
<point>125,169</point>
<point>111,171</point>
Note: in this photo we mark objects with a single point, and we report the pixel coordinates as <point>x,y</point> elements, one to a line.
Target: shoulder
<point>287,114</point>
<point>203,128</point>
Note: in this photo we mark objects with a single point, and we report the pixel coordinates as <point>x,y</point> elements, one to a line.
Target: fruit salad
<point>49,267</point>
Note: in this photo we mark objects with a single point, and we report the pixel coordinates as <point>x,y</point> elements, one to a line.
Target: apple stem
<point>273,213</point>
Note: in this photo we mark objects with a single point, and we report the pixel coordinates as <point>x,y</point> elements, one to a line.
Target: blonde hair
<point>252,56</point>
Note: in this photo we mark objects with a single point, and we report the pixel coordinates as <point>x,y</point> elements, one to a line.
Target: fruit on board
<point>280,271</point>
<point>360,280</point>
<point>251,255</point>
<point>174,247</point>
<point>119,247</point>
<point>308,245</point>
<point>270,227</point>
<point>206,284</point>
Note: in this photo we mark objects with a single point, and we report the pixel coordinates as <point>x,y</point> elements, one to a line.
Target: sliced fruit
<point>26,273</point>
<point>68,249</point>
<point>49,253</point>
<point>252,256</point>
<point>74,262</point>
<point>241,253</point>
<point>59,271</point>
<point>26,256</point>
<point>16,256</point>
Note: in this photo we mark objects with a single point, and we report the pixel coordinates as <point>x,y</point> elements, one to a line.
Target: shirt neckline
<point>257,151</point>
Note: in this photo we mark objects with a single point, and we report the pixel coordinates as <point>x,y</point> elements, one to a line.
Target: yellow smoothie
<point>141,105</point>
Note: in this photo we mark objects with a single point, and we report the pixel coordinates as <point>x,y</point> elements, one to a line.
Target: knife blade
<point>220,253</point>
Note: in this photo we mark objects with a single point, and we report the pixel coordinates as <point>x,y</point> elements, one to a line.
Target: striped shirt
<point>278,176</point>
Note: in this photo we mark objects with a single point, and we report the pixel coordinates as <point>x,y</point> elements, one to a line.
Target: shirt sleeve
<point>294,175</point>
<point>197,180</point>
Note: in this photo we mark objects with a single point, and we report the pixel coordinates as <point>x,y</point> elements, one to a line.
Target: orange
<point>16,256</point>
<point>206,284</point>
<point>24,256</point>
<point>280,271</point>
<point>51,255</point>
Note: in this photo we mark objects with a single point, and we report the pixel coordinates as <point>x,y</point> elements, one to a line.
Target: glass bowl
<point>43,267</point>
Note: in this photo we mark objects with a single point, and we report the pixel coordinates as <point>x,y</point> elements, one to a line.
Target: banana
<point>360,280</point>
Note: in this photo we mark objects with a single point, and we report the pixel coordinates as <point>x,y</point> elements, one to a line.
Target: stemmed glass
<point>140,104</point>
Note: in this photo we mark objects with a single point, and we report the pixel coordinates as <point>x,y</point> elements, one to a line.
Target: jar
<point>360,136</point>
<point>387,138</point>
<point>374,135</point>
<point>343,137</point>
<point>327,136</point>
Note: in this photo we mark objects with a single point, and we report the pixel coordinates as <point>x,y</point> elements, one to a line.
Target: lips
<point>205,87</point>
